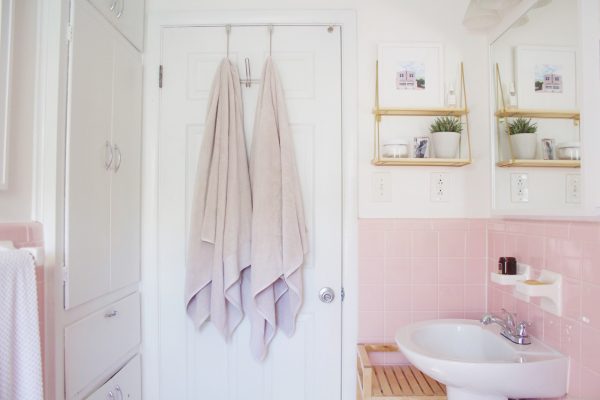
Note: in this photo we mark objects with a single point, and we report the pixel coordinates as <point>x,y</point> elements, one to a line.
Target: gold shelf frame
<point>459,112</point>
<point>504,113</point>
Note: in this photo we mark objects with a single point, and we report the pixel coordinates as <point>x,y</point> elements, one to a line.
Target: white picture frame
<point>6,21</point>
<point>546,77</point>
<point>410,75</point>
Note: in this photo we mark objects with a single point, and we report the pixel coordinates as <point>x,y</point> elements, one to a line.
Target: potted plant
<point>523,138</point>
<point>445,134</point>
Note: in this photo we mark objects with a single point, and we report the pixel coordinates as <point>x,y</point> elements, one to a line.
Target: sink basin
<point>476,363</point>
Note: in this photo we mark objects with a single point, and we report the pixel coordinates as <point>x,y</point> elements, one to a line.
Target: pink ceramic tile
<point>370,297</point>
<point>584,231</point>
<point>371,244</point>
<point>397,298</point>
<point>452,315</point>
<point>397,244</point>
<point>536,318</point>
<point>424,297</point>
<point>452,243</point>
<point>590,301</point>
<point>476,244</point>
<point>536,247</point>
<point>556,229</point>
<point>371,270</point>
<point>370,326</point>
<point>394,320</point>
<point>570,339</point>
<point>424,244</point>
<point>424,270</point>
<point>574,389</point>
<point>451,270</point>
<point>591,262</point>
<point>522,311</point>
<point>451,298</point>
<point>397,271</point>
<point>413,225</point>
<point>590,342</point>
<point>395,358</point>
<point>476,315</point>
<point>375,224</point>
<point>475,298</point>
<point>451,224</point>
<point>552,330</point>
<point>478,225</point>
<point>418,316</point>
<point>571,267</point>
<point>590,384</point>
<point>475,272</point>
<point>572,299</point>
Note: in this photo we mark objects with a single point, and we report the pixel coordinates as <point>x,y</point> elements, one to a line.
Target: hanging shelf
<point>505,112</point>
<point>461,112</point>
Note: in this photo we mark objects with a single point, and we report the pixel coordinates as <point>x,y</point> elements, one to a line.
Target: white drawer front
<point>95,343</point>
<point>125,385</point>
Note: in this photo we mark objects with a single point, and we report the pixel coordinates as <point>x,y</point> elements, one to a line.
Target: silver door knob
<point>326,295</point>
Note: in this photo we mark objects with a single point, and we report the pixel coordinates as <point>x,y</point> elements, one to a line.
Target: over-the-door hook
<point>228,31</point>
<point>270,40</point>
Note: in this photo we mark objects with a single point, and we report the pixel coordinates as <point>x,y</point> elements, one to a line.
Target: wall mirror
<point>6,13</point>
<point>536,134</point>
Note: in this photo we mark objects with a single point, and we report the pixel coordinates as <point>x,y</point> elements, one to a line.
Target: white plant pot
<point>445,144</point>
<point>524,145</point>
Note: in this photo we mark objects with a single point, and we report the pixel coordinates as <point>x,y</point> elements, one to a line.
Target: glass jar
<point>396,148</point>
<point>568,151</point>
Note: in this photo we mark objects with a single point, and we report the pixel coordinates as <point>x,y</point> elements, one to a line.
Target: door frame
<point>158,20</point>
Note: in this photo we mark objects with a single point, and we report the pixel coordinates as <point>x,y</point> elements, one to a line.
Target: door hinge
<point>69,33</point>
<point>342,294</point>
<point>160,76</point>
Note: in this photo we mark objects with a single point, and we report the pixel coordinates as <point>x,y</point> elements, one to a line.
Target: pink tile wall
<point>412,270</point>
<point>572,249</point>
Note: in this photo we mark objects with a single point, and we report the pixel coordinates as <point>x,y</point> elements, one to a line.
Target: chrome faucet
<point>516,333</point>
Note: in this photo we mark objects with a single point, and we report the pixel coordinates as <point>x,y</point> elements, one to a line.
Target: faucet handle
<point>510,318</point>
<point>522,328</point>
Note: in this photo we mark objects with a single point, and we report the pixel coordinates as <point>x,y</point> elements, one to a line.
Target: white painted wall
<point>396,21</point>
<point>16,201</point>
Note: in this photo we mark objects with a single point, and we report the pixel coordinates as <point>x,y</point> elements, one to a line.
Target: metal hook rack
<point>248,80</point>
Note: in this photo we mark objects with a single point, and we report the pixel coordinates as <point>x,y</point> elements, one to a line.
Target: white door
<point>200,364</point>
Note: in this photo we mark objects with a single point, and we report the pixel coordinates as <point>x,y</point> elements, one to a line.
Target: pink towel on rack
<point>279,239</point>
<point>220,225</point>
<point>20,344</point>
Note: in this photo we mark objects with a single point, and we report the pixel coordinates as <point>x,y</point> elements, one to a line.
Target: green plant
<point>521,125</point>
<point>446,124</point>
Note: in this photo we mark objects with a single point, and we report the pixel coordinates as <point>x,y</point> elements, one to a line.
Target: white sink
<point>476,363</point>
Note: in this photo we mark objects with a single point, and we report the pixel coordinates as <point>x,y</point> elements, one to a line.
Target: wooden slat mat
<point>405,382</point>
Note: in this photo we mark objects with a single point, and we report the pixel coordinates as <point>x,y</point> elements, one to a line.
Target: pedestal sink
<point>476,363</point>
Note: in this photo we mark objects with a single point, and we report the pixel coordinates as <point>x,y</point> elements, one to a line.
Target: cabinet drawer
<point>125,385</point>
<point>97,342</point>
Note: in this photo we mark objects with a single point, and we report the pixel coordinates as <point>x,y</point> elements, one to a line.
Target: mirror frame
<point>6,39</point>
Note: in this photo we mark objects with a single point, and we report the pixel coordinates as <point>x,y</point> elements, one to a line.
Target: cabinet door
<point>125,196</point>
<point>87,224</point>
<point>127,16</point>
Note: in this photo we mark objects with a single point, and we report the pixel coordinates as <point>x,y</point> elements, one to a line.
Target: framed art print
<point>546,77</point>
<point>410,75</point>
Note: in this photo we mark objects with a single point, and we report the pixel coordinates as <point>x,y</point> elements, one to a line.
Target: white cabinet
<point>94,344</point>
<point>127,16</point>
<point>103,147</point>
<point>125,385</point>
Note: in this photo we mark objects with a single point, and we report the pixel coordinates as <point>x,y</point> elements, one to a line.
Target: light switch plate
<point>381,187</point>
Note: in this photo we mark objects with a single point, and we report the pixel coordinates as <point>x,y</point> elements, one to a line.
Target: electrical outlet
<point>440,187</point>
<point>519,188</point>
<point>381,187</point>
<point>573,185</point>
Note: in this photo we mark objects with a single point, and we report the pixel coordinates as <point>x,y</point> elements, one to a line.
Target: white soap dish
<point>523,273</point>
<point>548,286</point>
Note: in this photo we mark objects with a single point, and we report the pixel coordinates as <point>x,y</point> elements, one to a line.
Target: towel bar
<point>36,252</point>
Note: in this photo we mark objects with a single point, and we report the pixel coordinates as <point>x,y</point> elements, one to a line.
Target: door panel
<point>88,182</point>
<point>307,365</point>
<point>125,203</point>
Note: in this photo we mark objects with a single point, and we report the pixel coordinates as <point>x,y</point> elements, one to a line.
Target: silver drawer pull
<point>119,392</point>
<point>110,396</point>
<point>113,5</point>
<point>111,314</point>
<point>119,158</point>
<point>108,156</point>
<point>121,10</point>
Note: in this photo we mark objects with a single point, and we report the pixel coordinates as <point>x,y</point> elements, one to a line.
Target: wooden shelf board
<point>421,112</point>
<point>435,162</point>
<point>551,114</point>
<point>539,163</point>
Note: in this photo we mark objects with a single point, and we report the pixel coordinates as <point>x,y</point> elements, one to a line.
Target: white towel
<point>220,226</point>
<point>279,239</point>
<point>20,351</point>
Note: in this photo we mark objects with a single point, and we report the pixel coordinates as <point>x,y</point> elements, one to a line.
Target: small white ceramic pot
<point>445,144</point>
<point>524,145</point>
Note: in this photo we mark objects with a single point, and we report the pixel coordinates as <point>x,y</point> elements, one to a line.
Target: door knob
<point>326,295</point>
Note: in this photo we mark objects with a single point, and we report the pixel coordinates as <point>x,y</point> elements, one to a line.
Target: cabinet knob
<point>111,314</point>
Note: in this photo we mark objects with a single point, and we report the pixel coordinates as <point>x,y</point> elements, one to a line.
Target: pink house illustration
<point>406,79</point>
<point>552,83</point>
